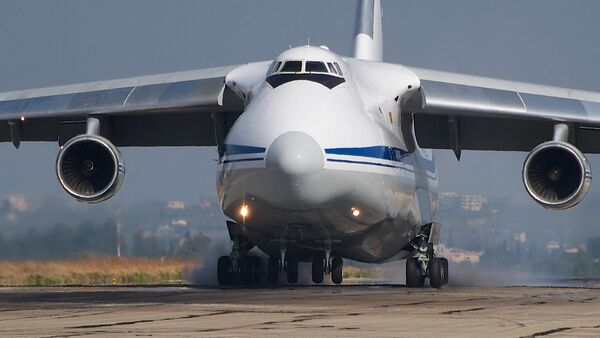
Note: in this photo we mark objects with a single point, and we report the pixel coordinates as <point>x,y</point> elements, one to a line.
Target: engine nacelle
<point>557,175</point>
<point>90,168</point>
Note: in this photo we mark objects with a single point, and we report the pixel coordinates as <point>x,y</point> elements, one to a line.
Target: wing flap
<point>501,115</point>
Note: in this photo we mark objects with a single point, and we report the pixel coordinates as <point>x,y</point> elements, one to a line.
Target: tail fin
<point>368,42</point>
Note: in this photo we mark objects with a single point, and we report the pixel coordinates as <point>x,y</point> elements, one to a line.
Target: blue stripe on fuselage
<point>363,162</point>
<point>380,152</point>
<point>376,152</point>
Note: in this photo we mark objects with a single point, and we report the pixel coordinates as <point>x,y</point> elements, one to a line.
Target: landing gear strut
<point>424,263</point>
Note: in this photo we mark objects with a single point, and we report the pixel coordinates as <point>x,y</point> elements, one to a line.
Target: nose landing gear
<point>282,264</point>
<point>327,266</point>
<point>241,268</point>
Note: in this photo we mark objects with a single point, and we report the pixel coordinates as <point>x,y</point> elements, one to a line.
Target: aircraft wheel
<point>414,279</point>
<point>317,270</point>
<point>273,269</point>
<point>445,270</point>
<point>337,266</point>
<point>256,269</point>
<point>292,271</point>
<point>250,270</point>
<point>224,273</point>
<point>436,273</point>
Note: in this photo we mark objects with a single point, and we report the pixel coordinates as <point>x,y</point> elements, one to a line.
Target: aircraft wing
<point>453,111</point>
<point>158,110</point>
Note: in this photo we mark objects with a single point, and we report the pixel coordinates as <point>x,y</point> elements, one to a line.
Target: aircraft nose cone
<point>296,154</point>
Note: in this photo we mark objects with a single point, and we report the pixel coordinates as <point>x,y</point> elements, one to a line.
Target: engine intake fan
<point>557,175</point>
<point>90,168</point>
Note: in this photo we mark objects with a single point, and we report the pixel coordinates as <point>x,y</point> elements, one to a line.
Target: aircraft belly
<point>315,212</point>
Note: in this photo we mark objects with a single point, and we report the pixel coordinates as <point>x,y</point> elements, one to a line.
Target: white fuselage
<point>319,168</point>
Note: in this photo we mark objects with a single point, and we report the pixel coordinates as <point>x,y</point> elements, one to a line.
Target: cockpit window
<point>315,66</point>
<point>291,67</point>
<point>275,67</point>
<point>331,68</point>
<point>337,66</point>
<point>328,74</point>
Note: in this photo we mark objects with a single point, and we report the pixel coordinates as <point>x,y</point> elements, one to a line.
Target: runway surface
<point>348,311</point>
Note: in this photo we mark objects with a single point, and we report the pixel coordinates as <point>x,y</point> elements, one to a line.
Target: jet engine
<point>90,168</point>
<point>557,175</point>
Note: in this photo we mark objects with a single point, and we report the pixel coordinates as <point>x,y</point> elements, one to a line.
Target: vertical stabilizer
<point>368,42</point>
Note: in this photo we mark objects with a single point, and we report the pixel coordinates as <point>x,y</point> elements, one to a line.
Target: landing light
<point>355,212</point>
<point>244,211</point>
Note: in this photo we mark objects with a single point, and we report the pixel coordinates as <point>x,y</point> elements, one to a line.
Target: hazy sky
<point>54,42</point>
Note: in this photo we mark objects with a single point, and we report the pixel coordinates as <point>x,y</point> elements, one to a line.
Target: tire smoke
<point>206,273</point>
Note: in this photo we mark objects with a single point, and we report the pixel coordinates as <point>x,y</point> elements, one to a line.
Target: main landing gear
<point>244,270</point>
<point>239,267</point>
<point>436,270</point>
<point>424,264</point>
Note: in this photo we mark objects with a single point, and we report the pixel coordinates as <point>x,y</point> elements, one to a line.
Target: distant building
<point>176,205</point>
<point>182,222</point>
<point>521,237</point>
<point>552,246</point>
<point>466,202</point>
<point>571,250</point>
<point>456,255</point>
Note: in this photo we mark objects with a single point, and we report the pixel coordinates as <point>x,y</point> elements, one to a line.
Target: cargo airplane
<point>321,156</point>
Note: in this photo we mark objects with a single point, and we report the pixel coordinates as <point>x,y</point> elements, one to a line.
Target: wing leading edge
<point>459,112</point>
<point>160,110</point>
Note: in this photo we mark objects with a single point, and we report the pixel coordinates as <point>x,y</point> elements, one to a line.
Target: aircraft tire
<point>446,272</point>
<point>436,273</point>
<point>256,269</point>
<point>337,267</point>
<point>273,269</point>
<point>250,270</point>
<point>292,271</point>
<point>318,274</point>
<point>414,279</point>
<point>224,273</point>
